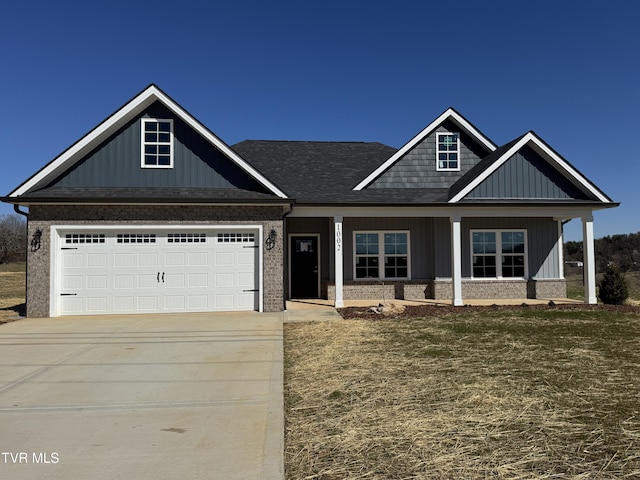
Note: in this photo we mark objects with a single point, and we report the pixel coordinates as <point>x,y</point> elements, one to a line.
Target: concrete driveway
<point>142,397</point>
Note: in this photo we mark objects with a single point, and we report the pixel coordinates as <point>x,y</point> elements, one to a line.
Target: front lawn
<point>477,393</point>
<point>12,284</point>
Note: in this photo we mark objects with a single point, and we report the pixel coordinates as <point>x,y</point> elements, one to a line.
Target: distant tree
<point>613,287</point>
<point>13,238</point>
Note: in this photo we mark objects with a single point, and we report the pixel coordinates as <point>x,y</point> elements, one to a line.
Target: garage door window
<point>236,237</point>
<point>77,238</point>
<point>187,238</point>
<point>136,238</point>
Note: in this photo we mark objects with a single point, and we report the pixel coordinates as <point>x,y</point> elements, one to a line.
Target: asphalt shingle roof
<point>326,172</point>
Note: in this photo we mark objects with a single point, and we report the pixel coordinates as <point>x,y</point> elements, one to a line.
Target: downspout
<point>285,258</point>
<point>16,208</point>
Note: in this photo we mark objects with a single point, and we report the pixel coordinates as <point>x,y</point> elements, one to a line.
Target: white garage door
<point>157,271</point>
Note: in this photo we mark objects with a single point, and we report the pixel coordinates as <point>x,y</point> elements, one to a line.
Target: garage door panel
<point>147,303</point>
<point>173,280</point>
<point>123,304</point>
<point>147,280</point>
<point>225,259</point>
<point>246,258</point>
<point>73,260</point>
<point>97,282</point>
<point>198,302</point>
<point>224,280</point>
<point>97,260</point>
<point>123,282</point>
<point>198,259</point>
<point>156,271</point>
<point>72,282</point>
<point>124,260</point>
<point>198,280</point>
<point>224,301</point>
<point>147,260</point>
<point>97,304</point>
<point>245,279</point>
<point>175,302</point>
<point>72,305</point>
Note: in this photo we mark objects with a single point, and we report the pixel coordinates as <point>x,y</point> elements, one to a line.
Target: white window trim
<point>457,152</point>
<point>498,253</point>
<point>143,143</point>
<point>381,255</point>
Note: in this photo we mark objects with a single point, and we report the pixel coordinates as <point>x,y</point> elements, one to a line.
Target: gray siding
<point>116,163</point>
<point>418,169</point>
<point>527,175</point>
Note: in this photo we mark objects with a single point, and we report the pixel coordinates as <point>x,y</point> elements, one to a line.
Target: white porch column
<point>337,241</point>
<point>456,261</point>
<point>589,260</point>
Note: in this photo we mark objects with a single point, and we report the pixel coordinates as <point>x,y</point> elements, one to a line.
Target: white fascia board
<point>539,145</point>
<point>449,114</point>
<point>126,113</point>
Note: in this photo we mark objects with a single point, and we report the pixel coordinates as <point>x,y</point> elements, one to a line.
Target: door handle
<point>158,277</point>
<point>162,277</point>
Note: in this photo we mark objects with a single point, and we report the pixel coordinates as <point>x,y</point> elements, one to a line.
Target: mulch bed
<point>421,311</point>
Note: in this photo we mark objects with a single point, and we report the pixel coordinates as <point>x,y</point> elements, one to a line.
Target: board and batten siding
<point>117,161</point>
<point>418,168</point>
<point>524,176</point>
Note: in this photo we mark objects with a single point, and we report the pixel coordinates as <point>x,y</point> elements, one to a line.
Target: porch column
<point>456,261</point>
<point>589,260</point>
<point>337,241</point>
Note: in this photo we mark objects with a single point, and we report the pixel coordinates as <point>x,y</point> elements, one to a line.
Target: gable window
<point>381,255</point>
<point>157,143</point>
<point>448,151</point>
<point>498,254</point>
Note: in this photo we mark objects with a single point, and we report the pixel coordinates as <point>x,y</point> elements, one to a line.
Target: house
<point>152,212</point>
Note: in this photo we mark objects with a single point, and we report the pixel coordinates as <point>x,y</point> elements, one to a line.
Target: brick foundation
<point>442,289</point>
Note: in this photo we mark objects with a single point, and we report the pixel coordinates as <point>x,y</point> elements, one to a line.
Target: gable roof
<point>483,170</point>
<point>123,115</point>
<point>449,114</point>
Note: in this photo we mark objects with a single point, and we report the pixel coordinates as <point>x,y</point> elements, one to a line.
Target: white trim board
<point>122,116</point>
<point>449,114</point>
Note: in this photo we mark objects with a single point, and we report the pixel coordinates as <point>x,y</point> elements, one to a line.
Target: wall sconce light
<point>35,240</point>
<point>271,239</point>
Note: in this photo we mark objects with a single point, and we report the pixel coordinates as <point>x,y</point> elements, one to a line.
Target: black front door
<point>304,266</point>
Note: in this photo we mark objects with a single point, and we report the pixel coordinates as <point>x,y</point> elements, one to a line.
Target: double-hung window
<point>448,151</point>
<point>157,143</point>
<point>498,253</point>
<point>381,255</point>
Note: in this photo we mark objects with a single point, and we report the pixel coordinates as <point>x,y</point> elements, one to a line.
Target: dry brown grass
<point>493,394</point>
<point>12,282</point>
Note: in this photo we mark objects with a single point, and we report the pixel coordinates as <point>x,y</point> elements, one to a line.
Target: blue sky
<point>349,70</point>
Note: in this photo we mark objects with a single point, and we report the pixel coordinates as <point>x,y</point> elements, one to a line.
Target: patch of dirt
<point>422,311</point>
